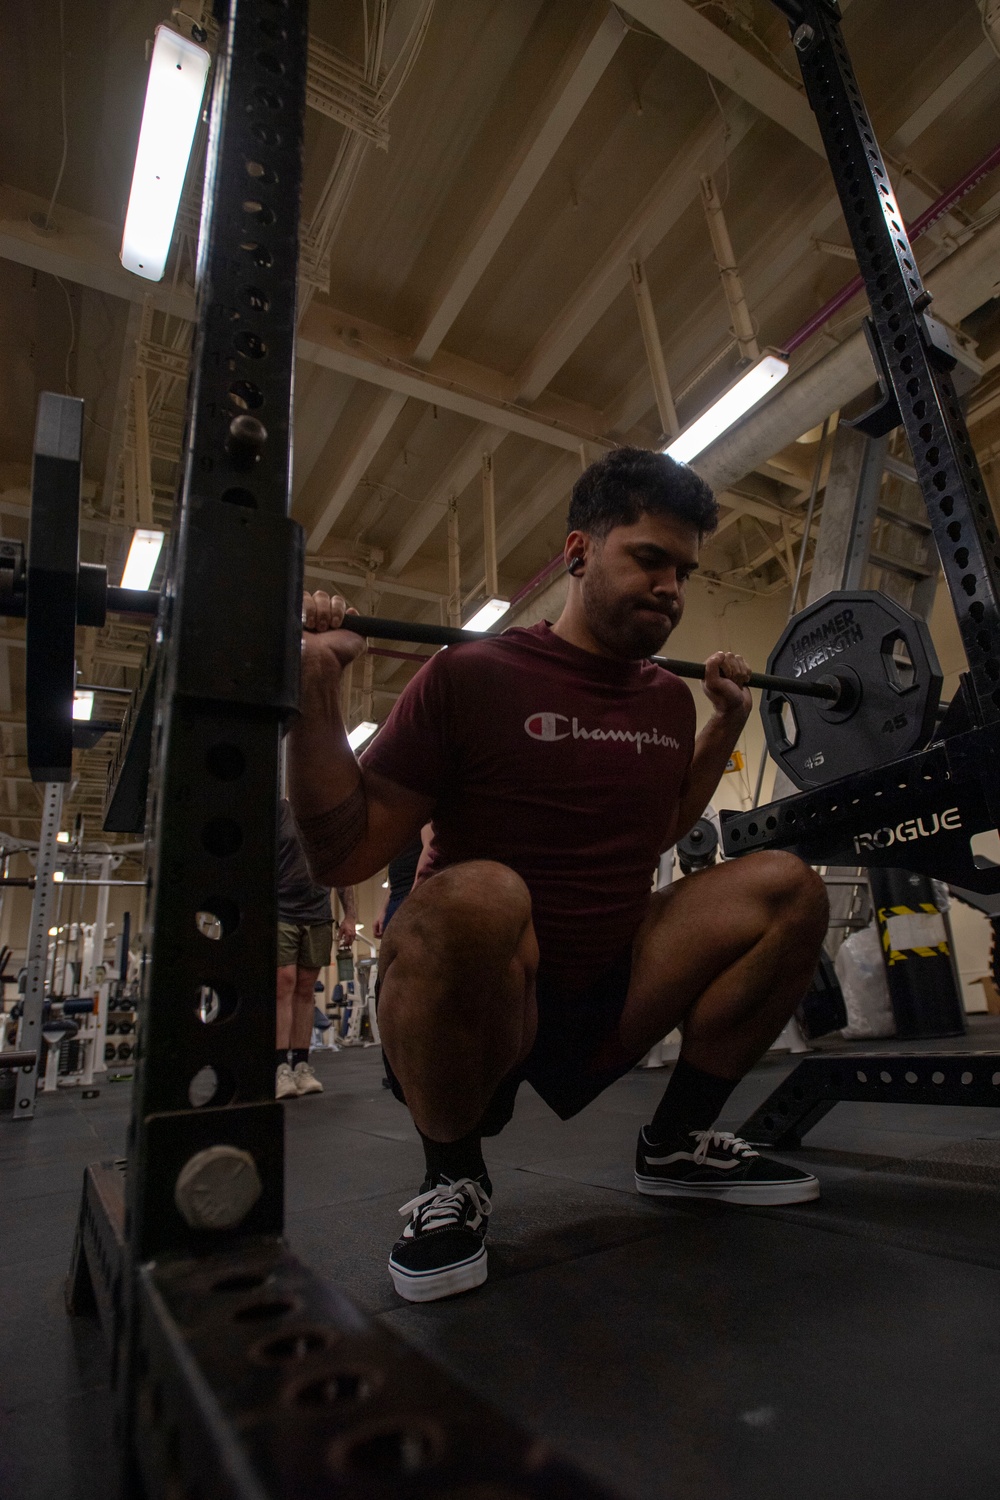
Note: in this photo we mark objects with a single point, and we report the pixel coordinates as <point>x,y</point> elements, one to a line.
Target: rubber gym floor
<point>846,1348</point>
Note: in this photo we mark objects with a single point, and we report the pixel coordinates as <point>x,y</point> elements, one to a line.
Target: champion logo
<point>549,727</point>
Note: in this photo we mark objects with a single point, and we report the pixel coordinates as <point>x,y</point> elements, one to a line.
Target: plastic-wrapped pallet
<point>861,972</point>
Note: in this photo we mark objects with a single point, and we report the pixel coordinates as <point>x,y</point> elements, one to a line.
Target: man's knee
<point>788,883</point>
<point>471,905</point>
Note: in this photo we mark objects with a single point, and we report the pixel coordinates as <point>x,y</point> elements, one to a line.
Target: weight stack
<point>926,1001</point>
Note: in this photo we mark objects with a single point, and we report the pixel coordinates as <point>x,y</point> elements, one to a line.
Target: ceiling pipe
<point>920,225</point>
<point>966,280</point>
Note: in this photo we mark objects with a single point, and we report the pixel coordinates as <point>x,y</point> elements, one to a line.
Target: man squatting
<point>555,764</point>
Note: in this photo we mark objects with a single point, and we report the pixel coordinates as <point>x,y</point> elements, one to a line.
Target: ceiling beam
<point>383,358</point>
<point>672,193</point>
<point>458,475</point>
<point>374,430</point>
<point>667,200</point>
<point>711,48</point>
<point>582,69</point>
<point>579,73</point>
<point>82,250</point>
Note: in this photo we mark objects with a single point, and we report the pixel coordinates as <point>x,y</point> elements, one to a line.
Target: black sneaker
<point>441,1250</point>
<point>717,1164</point>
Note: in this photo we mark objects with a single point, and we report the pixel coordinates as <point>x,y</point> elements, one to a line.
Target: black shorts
<point>573,1026</point>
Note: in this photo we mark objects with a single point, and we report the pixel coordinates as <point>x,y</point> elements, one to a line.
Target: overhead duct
<point>967,279</point>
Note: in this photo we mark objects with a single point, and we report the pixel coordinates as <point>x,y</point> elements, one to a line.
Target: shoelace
<point>444,1205</point>
<point>725,1139</point>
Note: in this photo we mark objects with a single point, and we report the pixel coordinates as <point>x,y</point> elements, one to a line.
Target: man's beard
<point>617,623</point>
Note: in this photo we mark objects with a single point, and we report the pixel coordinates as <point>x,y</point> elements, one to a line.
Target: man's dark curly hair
<point>630,482</point>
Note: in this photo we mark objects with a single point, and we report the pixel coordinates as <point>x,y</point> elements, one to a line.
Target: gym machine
<point>237,1372</point>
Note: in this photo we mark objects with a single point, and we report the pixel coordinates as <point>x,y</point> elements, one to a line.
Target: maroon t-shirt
<point>564,765</point>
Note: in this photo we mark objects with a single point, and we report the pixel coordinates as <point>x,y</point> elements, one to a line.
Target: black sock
<point>299,1054</point>
<point>281,1057</point>
<point>693,1101</point>
<point>454,1159</point>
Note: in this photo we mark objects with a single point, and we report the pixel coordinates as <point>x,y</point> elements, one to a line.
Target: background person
<point>402,873</point>
<point>305,945</point>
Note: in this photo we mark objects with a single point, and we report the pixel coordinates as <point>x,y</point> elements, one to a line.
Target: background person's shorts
<point>306,944</point>
<point>573,1026</point>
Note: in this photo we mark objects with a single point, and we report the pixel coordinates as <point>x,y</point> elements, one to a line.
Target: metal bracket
<point>818,1083</point>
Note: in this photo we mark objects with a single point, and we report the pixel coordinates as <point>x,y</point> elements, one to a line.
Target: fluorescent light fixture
<point>53,932</point>
<point>59,876</point>
<point>491,611</point>
<point>752,386</point>
<point>360,733</point>
<point>83,706</point>
<point>359,926</point>
<point>62,838</point>
<point>143,556</point>
<point>176,86</point>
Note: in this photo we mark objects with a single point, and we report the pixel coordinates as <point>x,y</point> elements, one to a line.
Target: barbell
<point>853,680</point>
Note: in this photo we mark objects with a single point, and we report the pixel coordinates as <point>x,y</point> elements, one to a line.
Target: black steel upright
<point>238,1373</point>
<point>229,665</point>
<point>951,790</point>
<point>910,347</point>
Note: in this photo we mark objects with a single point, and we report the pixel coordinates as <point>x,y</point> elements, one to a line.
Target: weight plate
<point>882,659</point>
<point>53,562</point>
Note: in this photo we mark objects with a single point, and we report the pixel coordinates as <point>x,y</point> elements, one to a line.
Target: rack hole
<point>270,63</point>
<point>937,1078</point>
<point>208,925</point>
<point>268,135</point>
<point>393,1450</point>
<point>291,1347</point>
<point>251,345</point>
<point>255,298</point>
<point>270,98</point>
<point>217,918</point>
<point>203,1087</point>
<point>245,396</point>
<point>214,1005</point>
<point>259,254</point>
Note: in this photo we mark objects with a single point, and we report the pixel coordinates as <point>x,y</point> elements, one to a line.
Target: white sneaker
<point>305,1079</point>
<point>284,1083</point>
